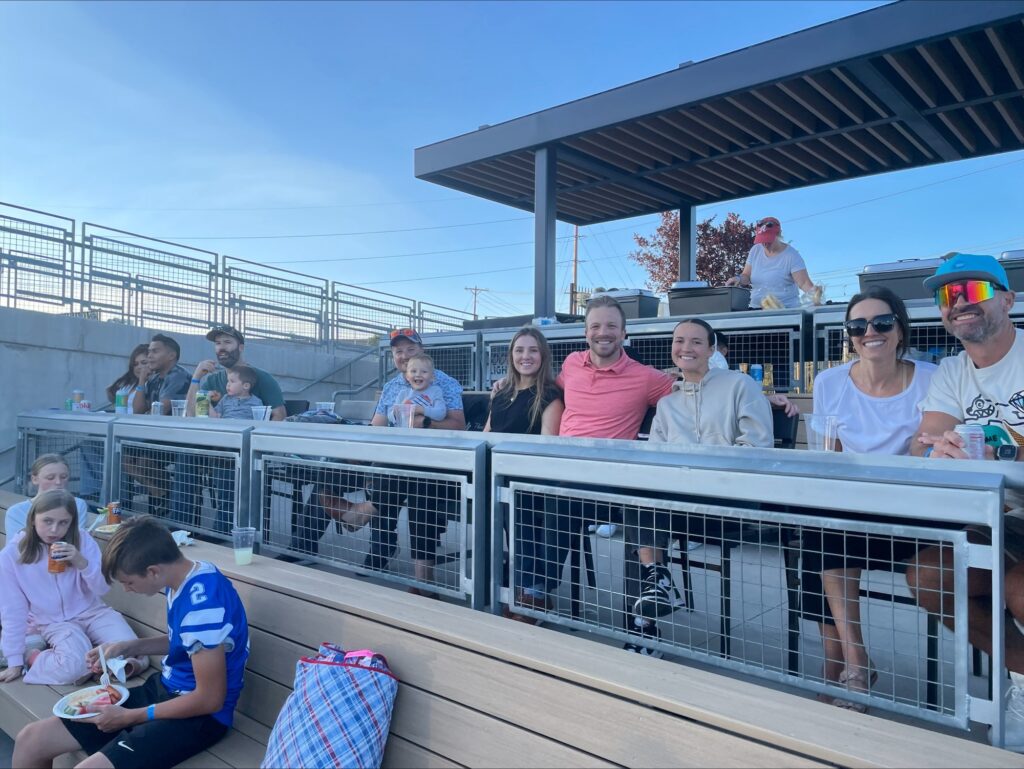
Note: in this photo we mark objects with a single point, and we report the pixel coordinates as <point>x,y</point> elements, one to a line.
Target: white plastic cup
<point>822,431</point>
<point>156,408</point>
<point>403,415</point>
<point>243,538</point>
<point>325,405</point>
<point>261,413</point>
<point>178,408</point>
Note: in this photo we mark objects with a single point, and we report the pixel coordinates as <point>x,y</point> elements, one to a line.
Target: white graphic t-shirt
<point>992,397</point>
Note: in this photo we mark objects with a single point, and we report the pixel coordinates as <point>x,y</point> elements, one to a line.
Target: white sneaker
<point>1014,719</point>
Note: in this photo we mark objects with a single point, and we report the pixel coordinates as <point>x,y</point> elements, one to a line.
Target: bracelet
<point>139,388</point>
<point>151,713</point>
<point>195,381</point>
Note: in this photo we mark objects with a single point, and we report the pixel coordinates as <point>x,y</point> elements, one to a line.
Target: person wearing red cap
<point>773,269</point>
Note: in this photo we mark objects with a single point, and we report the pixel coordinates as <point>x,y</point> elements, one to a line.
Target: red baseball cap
<point>767,230</point>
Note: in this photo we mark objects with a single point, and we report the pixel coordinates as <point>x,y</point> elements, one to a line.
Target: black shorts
<point>161,743</point>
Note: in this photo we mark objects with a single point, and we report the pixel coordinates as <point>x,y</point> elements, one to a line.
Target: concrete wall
<point>44,357</point>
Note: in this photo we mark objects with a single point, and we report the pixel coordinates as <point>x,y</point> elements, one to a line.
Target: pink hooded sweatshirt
<point>29,593</point>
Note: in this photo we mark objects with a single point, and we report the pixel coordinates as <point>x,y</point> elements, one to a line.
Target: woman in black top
<point>528,402</point>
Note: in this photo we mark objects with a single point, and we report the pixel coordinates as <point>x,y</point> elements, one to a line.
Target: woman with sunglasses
<point>774,269</point>
<point>875,398</point>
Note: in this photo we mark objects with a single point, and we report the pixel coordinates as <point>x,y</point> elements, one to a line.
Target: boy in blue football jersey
<point>189,706</point>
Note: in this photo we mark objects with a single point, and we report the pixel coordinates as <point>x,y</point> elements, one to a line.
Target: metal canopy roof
<point>896,87</point>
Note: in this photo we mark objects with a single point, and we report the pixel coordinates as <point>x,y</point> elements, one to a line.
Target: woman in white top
<point>774,268</point>
<point>876,399</point>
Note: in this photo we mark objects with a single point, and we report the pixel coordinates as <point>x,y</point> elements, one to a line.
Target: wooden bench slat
<point>402,754</point>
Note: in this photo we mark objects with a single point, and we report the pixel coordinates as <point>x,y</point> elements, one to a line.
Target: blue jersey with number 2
<point>205,613</point>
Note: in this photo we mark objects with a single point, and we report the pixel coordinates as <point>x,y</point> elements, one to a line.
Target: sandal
<point>857,682</point>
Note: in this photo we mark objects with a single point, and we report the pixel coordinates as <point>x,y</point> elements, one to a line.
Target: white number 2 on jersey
<point>197,593</point>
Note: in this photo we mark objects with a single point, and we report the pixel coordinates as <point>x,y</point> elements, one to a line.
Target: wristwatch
<point>426,421</point>
<point>1007,453</point>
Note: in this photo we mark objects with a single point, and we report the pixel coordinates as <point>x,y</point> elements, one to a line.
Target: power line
<point>261,208</point>
<point>335,234</point>
<point>400,256</point>
<point>456,275</point>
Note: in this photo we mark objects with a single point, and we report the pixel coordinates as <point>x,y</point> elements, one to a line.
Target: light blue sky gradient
<point>202,122</point>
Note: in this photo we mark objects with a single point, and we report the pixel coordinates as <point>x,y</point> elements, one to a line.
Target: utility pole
<point>575,266</point>
<point>476,292</point>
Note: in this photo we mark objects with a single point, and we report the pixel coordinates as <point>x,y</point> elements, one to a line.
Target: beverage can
<point>68,404</point>
<point>202,403</point>
<point>744,368</point>
<point>974,440</point>
<point>114,512</point>
<point>757,372</point>
<point>77,395</point>
<point>84,405</point>
<point>55,565</point>
<point>121,403</point>
<point>156,408</point>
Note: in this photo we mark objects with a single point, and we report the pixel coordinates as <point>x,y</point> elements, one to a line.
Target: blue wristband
<point>928,451</point>
<point>151,712</point>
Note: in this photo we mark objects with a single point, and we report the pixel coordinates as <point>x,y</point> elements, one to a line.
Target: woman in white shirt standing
<point>876,398</point>
<point>774,268</point>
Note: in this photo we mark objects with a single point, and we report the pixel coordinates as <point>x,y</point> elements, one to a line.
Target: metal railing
<point>194,475</point>
<point>740,536</point>
<point>313,487</point>
<point>83,440</point>
<point>49,263</point>
<point>730,527</point>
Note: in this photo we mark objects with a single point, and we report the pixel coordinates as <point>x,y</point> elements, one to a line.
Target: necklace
<point>512,398</point>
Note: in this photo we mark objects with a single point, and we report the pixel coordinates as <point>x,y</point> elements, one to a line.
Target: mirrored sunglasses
<point>403,332</point>
<point>883,324</point>
<point>973,292</point>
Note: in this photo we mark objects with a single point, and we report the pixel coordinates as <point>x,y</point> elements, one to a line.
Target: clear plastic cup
<point>243,538</point>
<point>261,413</point>
<point>325,405</point>
<point>403,415</point>
<point>156,408</point>
<point>821,431</point>
<point>178,408</point>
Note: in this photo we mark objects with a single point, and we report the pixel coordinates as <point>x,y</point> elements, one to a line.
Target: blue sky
<point>205,122</point>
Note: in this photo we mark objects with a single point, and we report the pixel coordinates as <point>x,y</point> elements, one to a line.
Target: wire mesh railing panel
<point>404,525</point>
<point>361,315</point>
<point>432,318</point>
<point>36,259</point>
<point>84,454</point>
<point>742,587</point>
<point>769,347</point>
<point>275,304</point>
<point>197,489</point>
<point>149,282</point>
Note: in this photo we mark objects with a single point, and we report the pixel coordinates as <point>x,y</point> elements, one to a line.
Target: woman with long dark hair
<point>528,401</point>
<point>876,398</point>
<point>135,376</point>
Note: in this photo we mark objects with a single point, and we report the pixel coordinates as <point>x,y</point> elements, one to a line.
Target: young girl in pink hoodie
<point>66,607</point>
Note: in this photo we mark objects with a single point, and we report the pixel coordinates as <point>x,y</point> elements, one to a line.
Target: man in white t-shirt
<point>983,385</point>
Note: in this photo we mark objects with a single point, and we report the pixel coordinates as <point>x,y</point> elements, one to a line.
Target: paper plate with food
<point>86,703</point>
<point>107,528</point>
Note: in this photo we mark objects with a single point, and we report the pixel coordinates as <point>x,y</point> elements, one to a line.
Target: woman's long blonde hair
<point>545,373</point>
<point>31,547</point>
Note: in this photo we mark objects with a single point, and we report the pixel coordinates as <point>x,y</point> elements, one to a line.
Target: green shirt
<point>267,389</point>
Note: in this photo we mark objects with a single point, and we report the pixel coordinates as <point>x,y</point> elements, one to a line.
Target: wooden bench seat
<point>479,690</point>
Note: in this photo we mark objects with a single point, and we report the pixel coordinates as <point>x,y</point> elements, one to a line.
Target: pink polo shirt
<point>608,402</point>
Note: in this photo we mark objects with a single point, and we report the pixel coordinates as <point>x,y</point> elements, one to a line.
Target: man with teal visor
<point>984,386</point>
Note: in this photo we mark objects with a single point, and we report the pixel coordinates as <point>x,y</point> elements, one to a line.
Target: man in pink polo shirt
<point>607,393</point>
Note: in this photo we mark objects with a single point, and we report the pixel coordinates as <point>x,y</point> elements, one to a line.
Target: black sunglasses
<point>883,324</point>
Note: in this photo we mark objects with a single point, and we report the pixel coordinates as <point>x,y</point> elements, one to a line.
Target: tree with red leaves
<point>721,250</point>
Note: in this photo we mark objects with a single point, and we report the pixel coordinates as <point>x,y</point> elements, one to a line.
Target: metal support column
<point>687,243</point>
<point>544,197</point>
